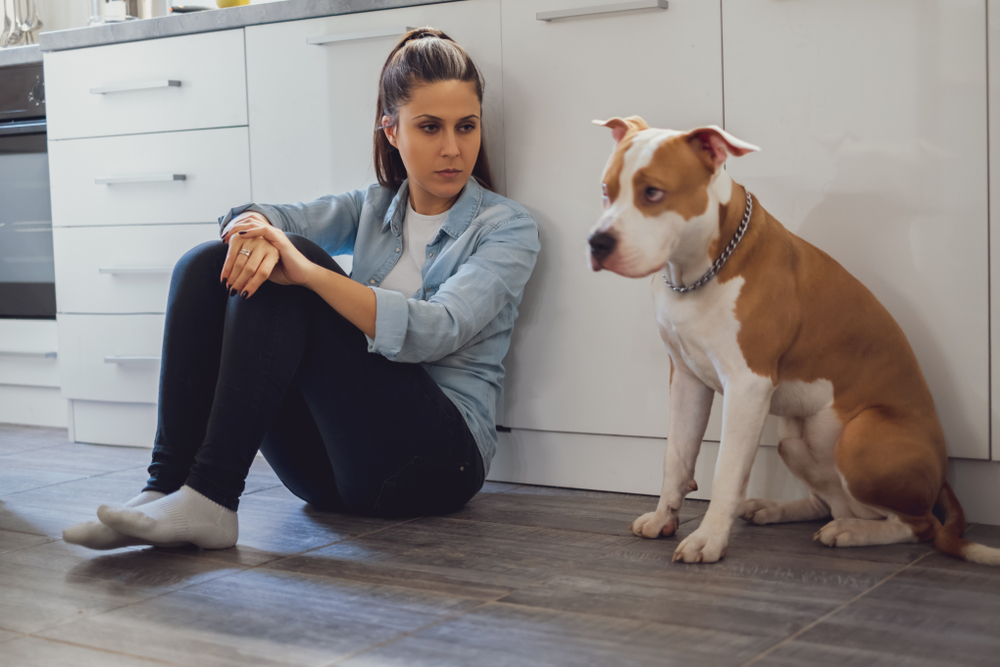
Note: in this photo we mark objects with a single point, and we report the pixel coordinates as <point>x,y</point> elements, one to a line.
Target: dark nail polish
<point>245,294</point>
<point>223,283</point>
<point>232,292</point>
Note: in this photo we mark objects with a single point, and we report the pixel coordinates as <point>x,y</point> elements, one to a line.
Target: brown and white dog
<point>782,329</point>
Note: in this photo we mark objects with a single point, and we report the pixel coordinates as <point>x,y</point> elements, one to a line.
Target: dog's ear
<point>622,126</point>
<point>714,145</point>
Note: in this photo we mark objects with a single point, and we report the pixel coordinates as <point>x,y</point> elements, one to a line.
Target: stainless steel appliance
<point>27,270</point>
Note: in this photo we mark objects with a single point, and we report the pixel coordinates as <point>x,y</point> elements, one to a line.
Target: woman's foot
<point>184,516</point>
<point>95,535</point>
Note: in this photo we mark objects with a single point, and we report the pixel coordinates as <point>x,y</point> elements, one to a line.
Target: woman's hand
<point>259,252</point>
<point>244,217</point>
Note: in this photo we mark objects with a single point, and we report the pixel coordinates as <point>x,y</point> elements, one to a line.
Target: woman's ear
<point>390,130</point>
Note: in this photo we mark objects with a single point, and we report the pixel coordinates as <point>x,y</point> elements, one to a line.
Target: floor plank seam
<point>104,650</point>
<point>791,638</point>
<point>404,635</point>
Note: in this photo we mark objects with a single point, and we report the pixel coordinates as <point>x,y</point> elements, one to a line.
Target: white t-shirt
<point>418,230</point>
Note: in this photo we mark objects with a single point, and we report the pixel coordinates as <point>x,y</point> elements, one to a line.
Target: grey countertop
<point>186,24</point>
<point>20,55</point>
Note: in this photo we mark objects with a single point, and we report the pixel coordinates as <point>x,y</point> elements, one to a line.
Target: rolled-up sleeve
<point>330,221</point>
<point>415,331</point>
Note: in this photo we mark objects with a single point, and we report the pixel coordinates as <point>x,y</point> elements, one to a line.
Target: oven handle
<point>14,353</point>
<point>601,9</point>
<point>145,178</point>
<point>130,359</point>
<point>34,126</point>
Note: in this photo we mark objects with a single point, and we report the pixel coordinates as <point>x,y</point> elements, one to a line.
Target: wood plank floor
<point>522,576</point>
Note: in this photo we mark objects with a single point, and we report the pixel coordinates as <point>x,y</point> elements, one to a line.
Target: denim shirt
<point>458,324</point>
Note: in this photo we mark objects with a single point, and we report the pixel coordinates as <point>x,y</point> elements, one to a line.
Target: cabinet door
<point>872,121</point>
<point>586,356</point>
<point>312,106</point>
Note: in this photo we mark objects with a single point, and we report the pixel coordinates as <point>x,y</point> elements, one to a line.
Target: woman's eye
<point>654,195</point>
<point>468,128</point>
<point>429,128</point>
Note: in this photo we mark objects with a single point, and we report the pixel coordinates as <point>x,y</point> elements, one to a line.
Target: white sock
<point>183,516</point>
<point>95,535</point>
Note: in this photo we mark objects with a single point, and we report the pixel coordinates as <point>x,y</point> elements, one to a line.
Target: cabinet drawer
<point>120,269</point>
<point>178,83</point>
<point>28,353</point>
<point>149,179</point>
<point>110,357</point>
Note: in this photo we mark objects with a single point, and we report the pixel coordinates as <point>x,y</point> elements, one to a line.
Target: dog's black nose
<point>601,244</point>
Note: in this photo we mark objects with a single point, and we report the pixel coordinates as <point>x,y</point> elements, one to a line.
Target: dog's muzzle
<point>602,244</point>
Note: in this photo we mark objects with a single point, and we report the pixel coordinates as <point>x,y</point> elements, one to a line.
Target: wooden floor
<point>521,576</point>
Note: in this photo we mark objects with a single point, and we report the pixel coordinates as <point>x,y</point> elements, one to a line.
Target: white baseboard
<point>635,465</point>
<point>32,406</point>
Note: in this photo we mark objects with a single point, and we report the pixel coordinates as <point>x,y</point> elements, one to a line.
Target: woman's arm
<point>273,257</point>
<point>331,221</point>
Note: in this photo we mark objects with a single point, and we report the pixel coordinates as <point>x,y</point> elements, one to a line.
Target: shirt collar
<point>460,216</point>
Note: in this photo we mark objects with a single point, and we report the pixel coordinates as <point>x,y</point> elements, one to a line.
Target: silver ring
<point>244,251</point>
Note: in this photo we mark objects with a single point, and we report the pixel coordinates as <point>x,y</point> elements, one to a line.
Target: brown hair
<point>422,56</point>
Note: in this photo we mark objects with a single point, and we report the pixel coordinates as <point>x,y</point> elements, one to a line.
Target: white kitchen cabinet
<point>29,374</point>
<point>169,177</point>
<point>177,83</point>
<point>110,357</point>
<point>124,269</point>
<point>872,121</point>
<point>139,174</point>
<point>586,357</point>
<point>312,105</point>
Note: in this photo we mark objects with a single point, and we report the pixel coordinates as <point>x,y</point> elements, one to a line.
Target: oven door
<point>27,270</point>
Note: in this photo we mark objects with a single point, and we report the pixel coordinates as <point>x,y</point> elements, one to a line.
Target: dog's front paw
<point>654,524</point>
<point>760,512</point>
<point>702,546</point>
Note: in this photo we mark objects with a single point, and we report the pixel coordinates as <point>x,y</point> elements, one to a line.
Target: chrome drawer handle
<point>15,353</point>
<point>133,270</point>
<point>146,178</point>
<point>135,85</point>
<point>601,9</point>
<point>130,359</point>
<point>354,36</point>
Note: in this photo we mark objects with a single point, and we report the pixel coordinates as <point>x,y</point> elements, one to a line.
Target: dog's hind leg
<point>690,406</point>
<point>763,512</point>
<point>865,532</point>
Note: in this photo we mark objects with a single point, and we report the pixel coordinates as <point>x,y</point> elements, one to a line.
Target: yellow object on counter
<point>231,3</point>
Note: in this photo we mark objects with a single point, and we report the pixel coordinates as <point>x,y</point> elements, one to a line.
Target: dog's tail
<point>949,536</point>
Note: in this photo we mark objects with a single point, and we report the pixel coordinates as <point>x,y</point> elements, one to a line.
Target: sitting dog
<point>749,310</point>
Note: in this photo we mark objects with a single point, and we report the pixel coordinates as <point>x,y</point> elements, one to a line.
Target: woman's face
<point>438,137</point>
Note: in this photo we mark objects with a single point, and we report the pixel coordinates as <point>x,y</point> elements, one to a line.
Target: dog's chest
<point>700,329</point>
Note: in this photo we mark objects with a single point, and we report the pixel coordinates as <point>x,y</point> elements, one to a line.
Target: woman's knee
<point>314,253</point>
<point>208,256</point>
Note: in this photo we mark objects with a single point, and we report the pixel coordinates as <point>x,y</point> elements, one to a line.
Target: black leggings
<point>283,372</point>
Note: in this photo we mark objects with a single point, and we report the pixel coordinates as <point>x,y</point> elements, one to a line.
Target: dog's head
<point>662,193</point>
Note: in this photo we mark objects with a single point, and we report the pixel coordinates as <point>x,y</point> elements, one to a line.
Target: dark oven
<point>27,271</point>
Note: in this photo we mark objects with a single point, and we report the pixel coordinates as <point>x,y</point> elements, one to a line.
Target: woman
<point>374,394</point>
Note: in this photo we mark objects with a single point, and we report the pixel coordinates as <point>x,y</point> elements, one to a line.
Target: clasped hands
<point>259,251</point>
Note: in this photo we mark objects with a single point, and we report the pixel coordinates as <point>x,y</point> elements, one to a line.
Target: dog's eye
<point>654,195</point>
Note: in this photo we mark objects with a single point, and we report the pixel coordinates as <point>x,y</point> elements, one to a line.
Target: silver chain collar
<point>723,258</point>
